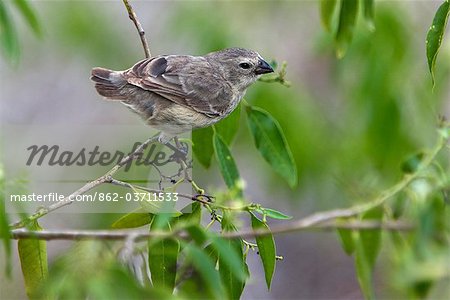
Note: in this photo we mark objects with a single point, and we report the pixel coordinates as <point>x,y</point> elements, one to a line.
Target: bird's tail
<point>109,84</point>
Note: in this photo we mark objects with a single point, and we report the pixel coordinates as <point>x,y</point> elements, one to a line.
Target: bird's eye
<point>245,65</point>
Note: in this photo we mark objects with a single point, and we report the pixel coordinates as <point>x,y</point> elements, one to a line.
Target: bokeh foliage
<point>348,144</point>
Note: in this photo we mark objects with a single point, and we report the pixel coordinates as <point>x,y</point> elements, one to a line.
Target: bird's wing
<point>186,80</point>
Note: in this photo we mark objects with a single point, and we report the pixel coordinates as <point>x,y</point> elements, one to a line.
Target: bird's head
<point>240,67</point>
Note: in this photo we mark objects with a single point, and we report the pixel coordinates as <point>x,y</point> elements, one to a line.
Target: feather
<point>109,83</point>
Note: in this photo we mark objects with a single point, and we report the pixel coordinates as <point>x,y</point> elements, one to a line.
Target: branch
<point>133,17</point>
<point>139,235</point>
<point>87,187</point>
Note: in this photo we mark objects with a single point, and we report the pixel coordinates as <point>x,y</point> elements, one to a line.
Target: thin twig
<point>133,17</point>
<point>87,187</point>
<point>139,235</point>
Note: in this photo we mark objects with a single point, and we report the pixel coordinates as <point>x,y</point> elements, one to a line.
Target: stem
<point>140,30</point>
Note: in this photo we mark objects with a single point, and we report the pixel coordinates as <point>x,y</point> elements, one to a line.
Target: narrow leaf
<point>436,34</point>
<point>369,13</point>
<point>228,127</point>
<point>134,219</point>
<point>33,260</point>
<point>347,21</point>
<point>29,15</point>
<point>8,36</point>
<point>197,233</point>
<point>346,239</point>
<point>363,273</point>
<point>266,248</point>
<point>203,145</point>
<point>327,8</point>
<point>5,235</point>
<point>194,287</point>
<point>272,213</point>
<point>367,245</point>
<point>271,143</point>
<point>371,239</point>
<point>207,269</point>
<point>191,213</point>
<point>226,162</point>
<point>162,261</point>
<point>232,266</point>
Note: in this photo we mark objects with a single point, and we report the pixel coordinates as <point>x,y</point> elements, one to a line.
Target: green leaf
<point>232,267</point>
<point>367,249</point>
<point>327,8</point>
<point>134,219</point>
<point>266,248</point>
<point>371,239</point>
<point>193,287</point>
<point>412,163</point>
<point>346,239</point>
<point>206,266</point>
<point>5,234</point>
<point>115,282</point>
<point>33,260</point>
<point>369,13</point>
<point>203,145</point>
<point>271,143</point>
<point>197,233</point>
<point>8,36</point>
<point>436,34</point>
<point>162,260</point>
<point>191,213</point>
<point>272,213</point>
<point>190,218</point>
<point>364,273</point>
<point>29,15</point>
<point>228,127</point>
<point>226,162</point>
<point>346,25</point>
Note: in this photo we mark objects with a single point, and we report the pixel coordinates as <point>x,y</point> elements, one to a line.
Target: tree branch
<point>141,32</point>
<point>87,187</point>
<point>139,235</point>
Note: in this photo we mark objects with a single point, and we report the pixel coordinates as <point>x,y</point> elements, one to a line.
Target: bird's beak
<point>263,68</point>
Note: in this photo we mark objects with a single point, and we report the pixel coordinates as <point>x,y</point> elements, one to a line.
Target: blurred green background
<point>350,122</point>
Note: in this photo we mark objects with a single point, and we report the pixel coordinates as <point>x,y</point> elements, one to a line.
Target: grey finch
<point>178,93</point>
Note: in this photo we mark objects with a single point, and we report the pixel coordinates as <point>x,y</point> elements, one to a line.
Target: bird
<point>178,93</point>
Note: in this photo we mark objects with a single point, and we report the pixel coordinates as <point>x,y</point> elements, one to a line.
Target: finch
<point>178,93</point>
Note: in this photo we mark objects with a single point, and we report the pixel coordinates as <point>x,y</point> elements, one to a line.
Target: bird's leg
<point>179,152</point>
<point>187,176</point>
<point>180,146</point>
<point>180,156</point>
